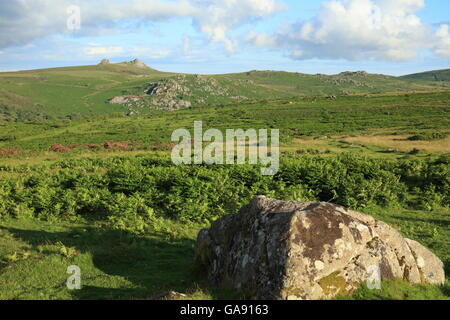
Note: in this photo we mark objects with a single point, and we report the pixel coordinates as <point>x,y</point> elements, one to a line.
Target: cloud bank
<point>22,21</point>
<point>360,29</point>
<point>385,30</point>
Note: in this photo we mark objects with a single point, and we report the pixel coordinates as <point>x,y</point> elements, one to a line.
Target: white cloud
<point>104,51</point>
<point>192,50</point>
<point>154,53</point>
<point>443,46</point>
<point>220,16</point>
<point>357,30</point>
<point>22,21</point>
<point>343,29</point>
<point>261,39</point>
<point>186,44</point>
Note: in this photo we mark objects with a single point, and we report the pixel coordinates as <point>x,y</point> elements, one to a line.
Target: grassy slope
<point>300,118</point>
<point>73,90</point>
<point>287,83</point>
<point>437,75</point>
<point>85,90</point>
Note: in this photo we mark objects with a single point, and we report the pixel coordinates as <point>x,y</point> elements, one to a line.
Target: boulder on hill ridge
<point>104,62</point>
<point>137,63</point>
<point>274,249</point>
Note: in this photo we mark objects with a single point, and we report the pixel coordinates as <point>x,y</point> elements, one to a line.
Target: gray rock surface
<point>179,92</point>
<point>123,99</point>
<point>138,63</point>
<point>274,249</point>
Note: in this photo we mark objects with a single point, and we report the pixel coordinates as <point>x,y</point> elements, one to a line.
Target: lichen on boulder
<point>274,249</point>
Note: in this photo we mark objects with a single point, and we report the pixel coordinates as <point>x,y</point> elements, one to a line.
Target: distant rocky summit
<point>104,62</point>
<point>274,249</point>
<point>136,63</point>
<point>354,73</point>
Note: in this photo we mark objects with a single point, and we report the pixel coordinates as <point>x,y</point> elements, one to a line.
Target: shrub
<point>130,192</point>
<point>129,213</point>
<point>7,138</point>
<point>428,136</point>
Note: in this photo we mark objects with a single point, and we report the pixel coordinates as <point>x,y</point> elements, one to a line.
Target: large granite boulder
<point>275,249</point>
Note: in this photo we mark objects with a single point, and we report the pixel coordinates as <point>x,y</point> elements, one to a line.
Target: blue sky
<point>222,36</point>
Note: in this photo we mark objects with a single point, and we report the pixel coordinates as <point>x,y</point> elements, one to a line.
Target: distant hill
<point>134,88</point>
<point>69,91</point>
<point>345,83</point>
<point>436,75</point>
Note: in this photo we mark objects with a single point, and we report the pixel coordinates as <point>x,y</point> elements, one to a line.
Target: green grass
<point>34,256</point>
<point>340,84</point>
<point>437,75</point>
<point>70,91</point>
<point>428,136</point>
<point>129,219</point>
<point>130,222</point>
<point>296,118</point>
<point>84,91</point>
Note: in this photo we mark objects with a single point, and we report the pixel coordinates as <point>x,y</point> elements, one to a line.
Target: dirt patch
<point>111,145</point>
<point>9,152</point>
<point>92,147</point>
<point>13,99</point>
<point>401,143</point>
<point>60,148</point>
<point>158,146</point>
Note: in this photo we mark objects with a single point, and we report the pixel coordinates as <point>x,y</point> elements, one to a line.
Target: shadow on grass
<point>440,222</point>
<point>155,263</point>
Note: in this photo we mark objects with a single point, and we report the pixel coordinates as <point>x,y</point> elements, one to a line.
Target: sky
<point>394,37</point>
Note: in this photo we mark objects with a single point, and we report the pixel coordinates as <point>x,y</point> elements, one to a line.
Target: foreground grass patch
<point>34,256</point>
<point>401,290</point>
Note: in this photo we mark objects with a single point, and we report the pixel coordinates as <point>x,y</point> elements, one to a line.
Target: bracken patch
<point>111,145</point>
<point>9,152</point>
<point>60,148</point>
